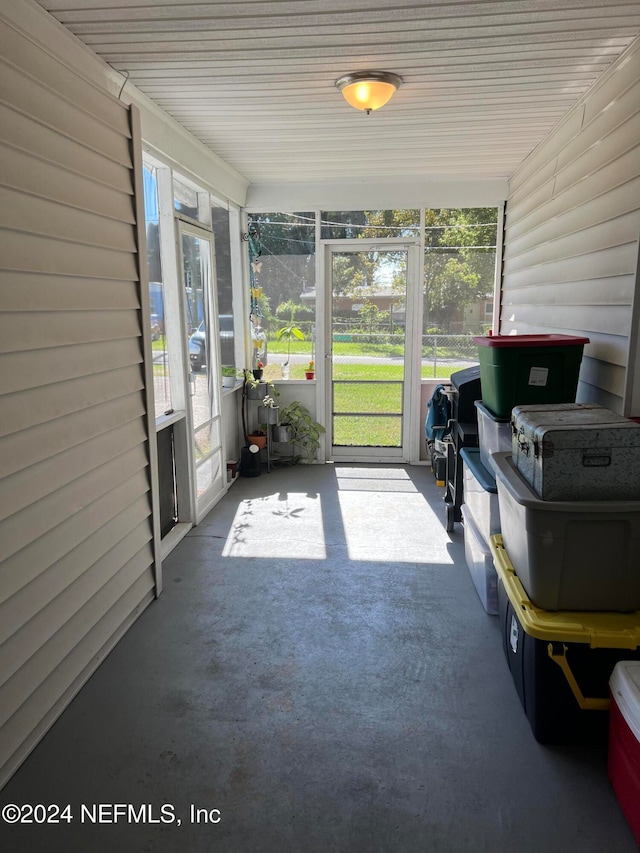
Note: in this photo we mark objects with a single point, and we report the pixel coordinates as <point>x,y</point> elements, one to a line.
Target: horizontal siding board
<point>39,141</point>
<point>31,98</point>
<point>610,320</point>
<point>608,348</point>
<point>616,171</point>
<point>615,290</point>
<point>25,409</point>
<point>561,151</point>
<point>592,394</point>
<point>610,97</point>
<point>35,253</point>
<point>544,153</point>
<point>27,174</point>
<point>538,196</point>
<point>48,699</point>
<point>561,222</point>
<point>29,485</point>
<point>609,377</point>
<point>22,212</point>
<point>73,633</point>
<point>615,132</point>
<point>83,507</point>
<point>31,598</point>
<point>32,62</point>
<point>615,88</point>
<point>57,364</point>
<point>76,511</point>
<point>25,291</point>
<point>21,449</point>
<point>20,332</point>
<point>31,637</point>
<point>601,237</point>
<point>614,261</point>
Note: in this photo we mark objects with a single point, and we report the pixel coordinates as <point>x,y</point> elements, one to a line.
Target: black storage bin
<point>467,385</point>
<point>561,662</point>
<point>464,433</point>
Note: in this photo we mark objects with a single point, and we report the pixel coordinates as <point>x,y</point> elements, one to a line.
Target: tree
<point>284,249</point>
<point>459,261</point>
<point>372,316</point>
<point>458,264</point>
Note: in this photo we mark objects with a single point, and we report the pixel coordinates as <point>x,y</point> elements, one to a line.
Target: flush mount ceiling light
<point>368,90</point>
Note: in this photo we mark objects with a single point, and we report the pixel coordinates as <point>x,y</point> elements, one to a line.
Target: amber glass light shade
<point>368,90</point>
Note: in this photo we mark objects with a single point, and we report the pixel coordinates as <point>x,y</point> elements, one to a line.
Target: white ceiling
<point>484,82</point>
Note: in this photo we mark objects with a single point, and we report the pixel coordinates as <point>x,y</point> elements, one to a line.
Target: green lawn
<point>377,390</point>
<point>380,391</point>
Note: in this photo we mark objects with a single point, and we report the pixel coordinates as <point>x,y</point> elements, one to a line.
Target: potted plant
<point>257,437</point>
<point>255,389</point>
<point>271,410</point>
<point>299,429</point>
<point>288,333</point>
<point>229,375</point>
<point>310,372</point>
<point>258,370</point>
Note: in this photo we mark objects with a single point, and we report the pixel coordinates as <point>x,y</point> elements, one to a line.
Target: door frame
<point>199,508</point>
<point>410,450</point>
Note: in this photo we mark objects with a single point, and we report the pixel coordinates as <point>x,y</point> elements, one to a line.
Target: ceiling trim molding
<point>373,194</point>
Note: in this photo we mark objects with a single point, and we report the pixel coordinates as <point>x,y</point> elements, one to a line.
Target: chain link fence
<point>439,352</point>
<point>455,351</point>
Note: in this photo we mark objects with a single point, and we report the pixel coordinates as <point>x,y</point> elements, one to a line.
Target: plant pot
<point>271,414</point>
<point>259,440</point>
<point>309,374</point>
<point>284,369</point>
<point>282,433</point>
<point>257,374</point>
<point>228,381</point>
<point>257,392</point>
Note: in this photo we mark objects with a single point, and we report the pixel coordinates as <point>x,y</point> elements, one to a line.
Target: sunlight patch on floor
<point>287,525</point>
<point>374,479</point>
<point>410,534</point>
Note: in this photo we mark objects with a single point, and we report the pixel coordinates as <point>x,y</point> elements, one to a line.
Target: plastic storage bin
<point>480,564</point>
<point>494,434</point>
<point>517,369</point>
<point>577,451</point>
<point>561,662</point>
<point>570,555</point>
<point>624,740</point>
<point>480,493</point>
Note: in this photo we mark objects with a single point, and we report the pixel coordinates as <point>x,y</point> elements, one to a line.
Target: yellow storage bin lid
<point>601,630</point>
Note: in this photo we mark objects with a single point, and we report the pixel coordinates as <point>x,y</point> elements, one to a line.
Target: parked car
<point>198,344</point>
<point>198,349</point>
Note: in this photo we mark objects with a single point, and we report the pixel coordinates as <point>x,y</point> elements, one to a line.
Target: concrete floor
<point>320,670</point>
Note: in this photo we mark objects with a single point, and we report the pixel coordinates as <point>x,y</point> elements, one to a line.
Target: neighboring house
<point>478,316</point>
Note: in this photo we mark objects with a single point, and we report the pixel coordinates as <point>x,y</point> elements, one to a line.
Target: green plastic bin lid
<point>529,340</point>
<point>601,630</point>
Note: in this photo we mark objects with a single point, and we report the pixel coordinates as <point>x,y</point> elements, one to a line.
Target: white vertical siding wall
<point>76,529</point>
<point>571,235</point>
